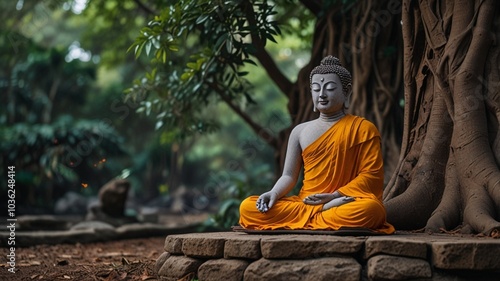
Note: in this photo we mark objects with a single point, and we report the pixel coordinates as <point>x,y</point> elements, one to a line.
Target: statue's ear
<point>348,93</point>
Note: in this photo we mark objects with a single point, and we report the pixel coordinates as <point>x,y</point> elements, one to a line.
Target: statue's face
<point>327,94</point>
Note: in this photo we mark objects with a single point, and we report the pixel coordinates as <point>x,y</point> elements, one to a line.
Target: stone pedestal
<point>236,256</point>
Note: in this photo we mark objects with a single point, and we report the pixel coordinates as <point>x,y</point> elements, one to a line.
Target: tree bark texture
<point>366,37</point>
<point>448,177</point>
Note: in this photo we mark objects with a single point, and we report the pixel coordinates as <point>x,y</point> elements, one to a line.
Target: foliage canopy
<point>199,50</point>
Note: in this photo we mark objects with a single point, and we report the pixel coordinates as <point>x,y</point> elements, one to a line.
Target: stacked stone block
<point>238,256</point>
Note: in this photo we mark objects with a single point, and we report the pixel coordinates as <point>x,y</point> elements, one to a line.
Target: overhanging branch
<point>313,6</point>
<point>263,56</point>
<point>145,8</point>
<point>258,129</point>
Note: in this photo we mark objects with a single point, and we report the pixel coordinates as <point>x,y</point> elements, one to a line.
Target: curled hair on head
<point>331,64</point>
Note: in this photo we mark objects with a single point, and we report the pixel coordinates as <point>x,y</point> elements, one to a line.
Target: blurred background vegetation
<point>67,124</point>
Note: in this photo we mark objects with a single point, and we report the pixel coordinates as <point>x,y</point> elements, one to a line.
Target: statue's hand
<point>266,201</point>
<point>318,199</point>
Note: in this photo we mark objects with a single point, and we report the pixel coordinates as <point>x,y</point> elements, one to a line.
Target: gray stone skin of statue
<point>330,100</point>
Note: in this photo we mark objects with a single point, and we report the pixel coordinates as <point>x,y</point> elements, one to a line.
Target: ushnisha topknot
<point>331,64</point>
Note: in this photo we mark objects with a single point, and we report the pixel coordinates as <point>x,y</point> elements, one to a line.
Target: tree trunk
<point>448,173</point>
<point>365,36</point>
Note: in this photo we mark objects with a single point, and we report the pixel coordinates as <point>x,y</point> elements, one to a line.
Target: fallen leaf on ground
<point>29,263</point>
<point>117,254</point>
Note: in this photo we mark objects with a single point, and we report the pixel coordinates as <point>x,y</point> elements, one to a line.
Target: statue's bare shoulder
<point>307,132</point>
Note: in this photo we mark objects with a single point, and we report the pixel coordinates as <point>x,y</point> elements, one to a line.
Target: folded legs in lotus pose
<point>343,167</point>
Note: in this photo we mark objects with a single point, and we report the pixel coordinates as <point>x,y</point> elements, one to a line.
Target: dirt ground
<point>132,259</point>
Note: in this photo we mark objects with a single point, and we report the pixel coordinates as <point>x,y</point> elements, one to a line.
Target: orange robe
<point>347,158</point>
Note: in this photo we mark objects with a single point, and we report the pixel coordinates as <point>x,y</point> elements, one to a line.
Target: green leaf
<point>138,50</point>
<point>250,61</point>
<point>148,47</point>
<point>164,57</point>
<point>192,65</point>
<point>186,75</point>
<point>159,54</point>
<point>229,46</point>
<point>270,37</point>
<point>220,40</point>
<point>196,87</point>
<point>156,42</point>
<point>159,124</point>
<point>202,19</point>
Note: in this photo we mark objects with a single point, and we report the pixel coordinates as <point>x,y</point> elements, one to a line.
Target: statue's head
<point>331,64</point>
<point>330,86</point>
